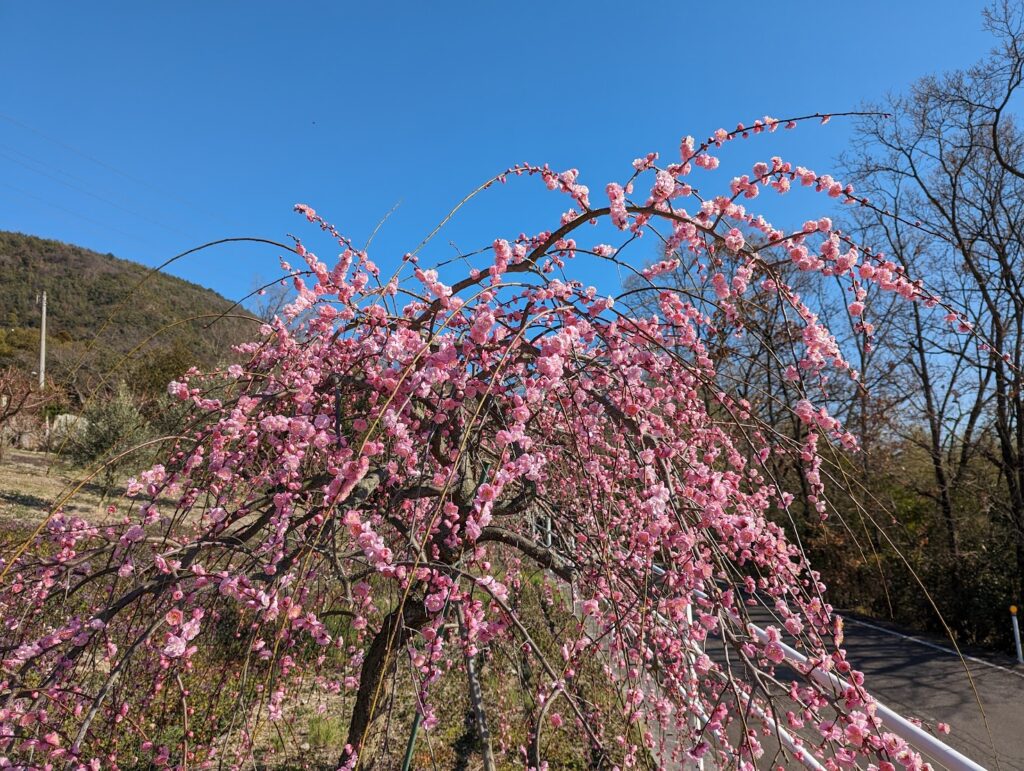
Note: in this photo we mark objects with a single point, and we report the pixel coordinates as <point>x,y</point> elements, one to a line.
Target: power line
<point>206,211</point>
<point>90,193</point>
<point>105,226</point>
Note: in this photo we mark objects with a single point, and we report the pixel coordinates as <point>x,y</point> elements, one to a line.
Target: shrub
<point>111,429</point>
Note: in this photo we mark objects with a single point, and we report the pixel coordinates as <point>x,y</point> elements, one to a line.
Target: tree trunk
<point>375,683</point>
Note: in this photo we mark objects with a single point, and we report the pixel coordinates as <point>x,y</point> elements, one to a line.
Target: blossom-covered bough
<point>374,488</point>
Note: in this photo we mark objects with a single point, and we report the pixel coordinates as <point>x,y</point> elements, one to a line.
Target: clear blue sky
<point>143,129</point>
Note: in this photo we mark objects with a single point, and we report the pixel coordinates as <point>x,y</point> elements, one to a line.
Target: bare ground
<point>32,484</point>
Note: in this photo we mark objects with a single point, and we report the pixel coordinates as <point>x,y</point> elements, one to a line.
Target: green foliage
<point>157,367</point>
<point>113,426</point>
<point>885,551</point>
<point>326,731</point>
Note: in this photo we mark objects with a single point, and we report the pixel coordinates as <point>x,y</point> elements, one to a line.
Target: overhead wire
<point>205,210</point>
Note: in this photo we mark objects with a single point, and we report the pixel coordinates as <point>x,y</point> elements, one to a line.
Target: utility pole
<point>42,346</point>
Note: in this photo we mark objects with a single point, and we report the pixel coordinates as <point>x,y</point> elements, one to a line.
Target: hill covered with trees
<point>108,319</point>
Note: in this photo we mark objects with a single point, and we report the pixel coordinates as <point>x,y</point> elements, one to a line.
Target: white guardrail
<point>918,738</point>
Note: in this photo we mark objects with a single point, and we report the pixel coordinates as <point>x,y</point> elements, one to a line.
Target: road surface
<point>922,677</point>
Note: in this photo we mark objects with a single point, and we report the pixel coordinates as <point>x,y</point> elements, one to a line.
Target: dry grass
<point>32,483</point>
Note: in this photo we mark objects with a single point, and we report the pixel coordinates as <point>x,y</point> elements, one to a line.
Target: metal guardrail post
<point>1016,633</point>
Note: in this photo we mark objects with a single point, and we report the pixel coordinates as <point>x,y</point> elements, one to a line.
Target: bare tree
<point>947,192</point>
<point>19,396</point>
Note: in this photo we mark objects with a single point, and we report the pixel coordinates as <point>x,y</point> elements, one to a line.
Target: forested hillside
<point>102,309</point>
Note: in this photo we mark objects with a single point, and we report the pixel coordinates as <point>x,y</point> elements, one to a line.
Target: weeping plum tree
<point>415,454</point>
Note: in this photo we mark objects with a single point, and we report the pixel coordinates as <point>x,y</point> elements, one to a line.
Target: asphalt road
<point>917,679</point>
<point>920,677</point>
<point>981,696</point>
